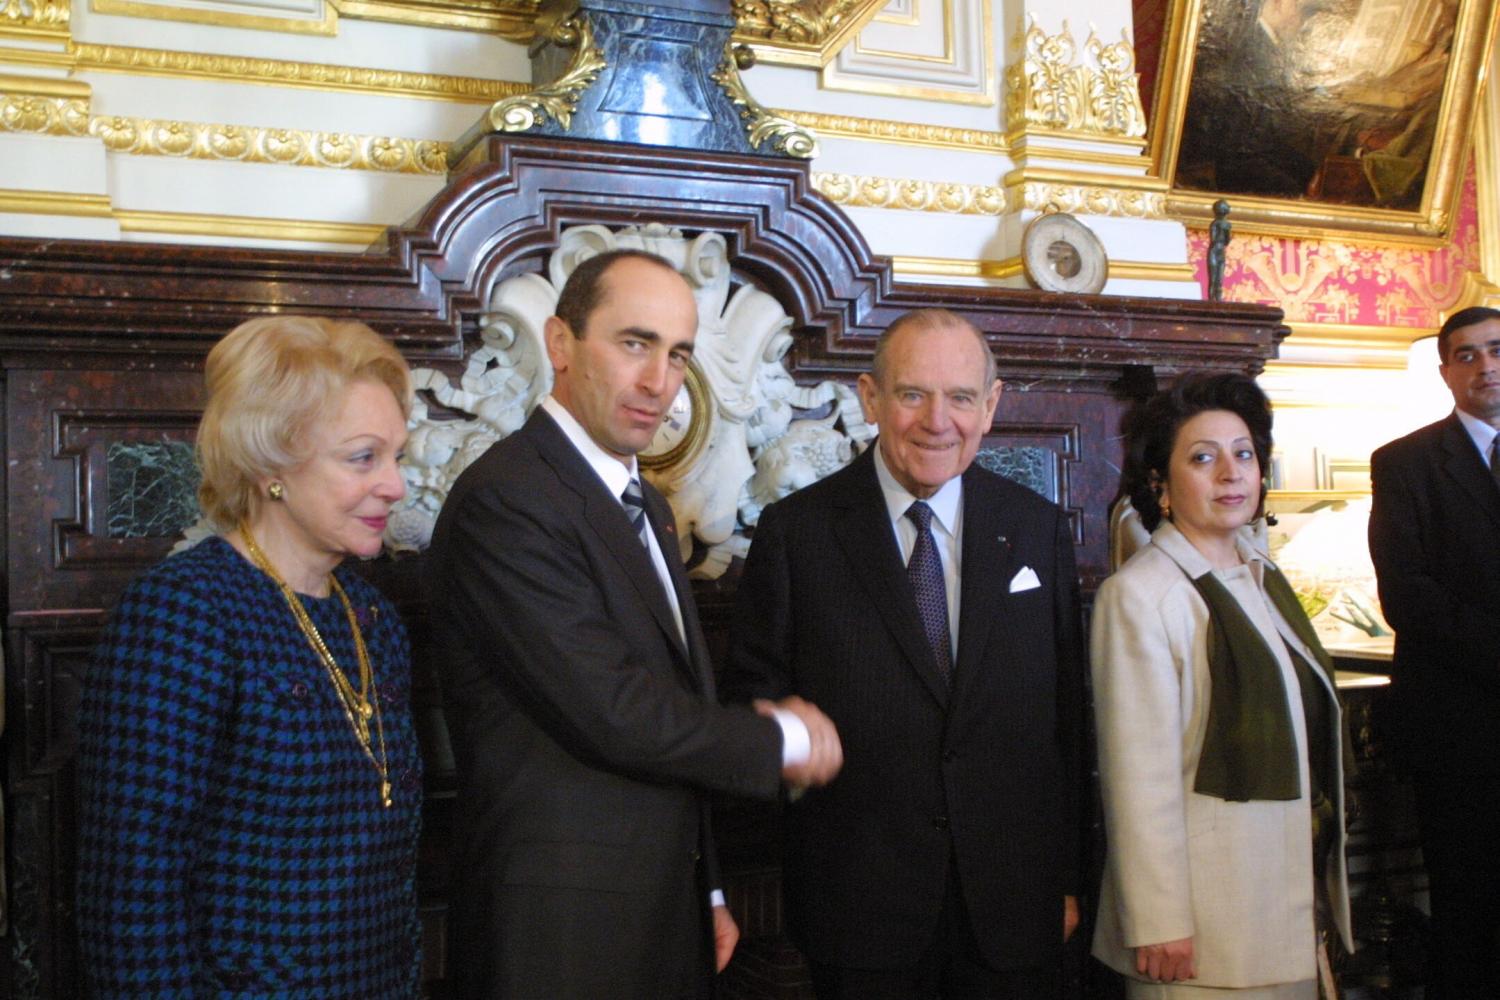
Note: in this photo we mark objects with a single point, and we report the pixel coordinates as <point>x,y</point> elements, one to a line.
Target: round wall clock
<point>684,431</point>
<point>1061,254</point>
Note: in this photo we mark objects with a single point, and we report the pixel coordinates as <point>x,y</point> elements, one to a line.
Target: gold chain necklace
<point>359,706</point>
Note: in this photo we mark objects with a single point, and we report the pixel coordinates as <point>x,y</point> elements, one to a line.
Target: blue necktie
<point>925,571</point>
<point>635,509</point>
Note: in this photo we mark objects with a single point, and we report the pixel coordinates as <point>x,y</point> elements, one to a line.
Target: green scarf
<point>1250,748</point>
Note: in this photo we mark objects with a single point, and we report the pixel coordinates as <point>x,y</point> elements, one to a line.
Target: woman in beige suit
<point>1220,737</point>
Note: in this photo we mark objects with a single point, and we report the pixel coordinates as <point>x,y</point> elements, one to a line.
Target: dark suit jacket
<point>987,772</point>
<point>1435,541</point>
<point>585,735</point>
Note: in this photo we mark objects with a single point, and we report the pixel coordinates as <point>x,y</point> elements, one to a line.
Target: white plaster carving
<point>761,441</point>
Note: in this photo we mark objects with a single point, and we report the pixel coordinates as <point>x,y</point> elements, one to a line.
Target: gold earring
<point>276,491</point>
<point>1166,508</point>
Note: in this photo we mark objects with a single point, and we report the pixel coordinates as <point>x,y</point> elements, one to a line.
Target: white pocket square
<point>1026,579</point>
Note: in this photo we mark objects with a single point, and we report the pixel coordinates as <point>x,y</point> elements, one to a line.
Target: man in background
<point>1435,542</point>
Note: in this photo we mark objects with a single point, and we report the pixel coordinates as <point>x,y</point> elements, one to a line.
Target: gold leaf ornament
<point>283,145</point>
<point>27,114</point>
<point>336,149</point>
<point>389,154</point>
<point>118,134</point>
<point>761,127</point>
<point>558,99</point>
<point>172,138</point>
<point>229,142</point>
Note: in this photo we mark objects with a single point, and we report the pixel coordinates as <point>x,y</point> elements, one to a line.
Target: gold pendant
<point>366,710</point>
<point>385,793</point>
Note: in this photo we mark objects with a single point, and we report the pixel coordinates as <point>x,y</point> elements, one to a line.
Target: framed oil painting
<point>1320,117</point>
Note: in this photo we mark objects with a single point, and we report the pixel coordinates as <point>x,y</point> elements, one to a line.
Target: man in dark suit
<point>578,688</point>
<point>1435,542</point>
<point>931,609</point>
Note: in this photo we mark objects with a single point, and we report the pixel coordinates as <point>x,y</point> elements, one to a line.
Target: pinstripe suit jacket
<point>986,772</point>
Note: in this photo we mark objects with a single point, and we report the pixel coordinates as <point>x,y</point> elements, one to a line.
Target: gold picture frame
<point>1325,121</point>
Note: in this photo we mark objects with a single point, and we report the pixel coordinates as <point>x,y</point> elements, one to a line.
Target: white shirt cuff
<point>796,744</point>
<point>716,898</point>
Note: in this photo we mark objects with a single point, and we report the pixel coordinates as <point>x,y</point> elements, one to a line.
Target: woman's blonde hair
<point>269,381</point>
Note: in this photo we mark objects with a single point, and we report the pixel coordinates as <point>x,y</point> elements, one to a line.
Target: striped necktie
<point>635,509</point>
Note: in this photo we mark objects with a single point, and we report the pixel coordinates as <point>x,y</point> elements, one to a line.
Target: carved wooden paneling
<point>67,424</point>
<point>46,655</point>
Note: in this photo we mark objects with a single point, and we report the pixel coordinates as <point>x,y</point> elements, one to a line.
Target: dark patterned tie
<point>635,509</point>
<point>925,570</point>
<point>1495,459</point>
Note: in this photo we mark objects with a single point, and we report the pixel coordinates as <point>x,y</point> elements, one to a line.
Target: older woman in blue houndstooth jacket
<point>249,777</point>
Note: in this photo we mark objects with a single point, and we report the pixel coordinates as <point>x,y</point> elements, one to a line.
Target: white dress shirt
<point>616,476</point>
<point>947,531</point>
<point>1482,433</point>
<point>796,744</point>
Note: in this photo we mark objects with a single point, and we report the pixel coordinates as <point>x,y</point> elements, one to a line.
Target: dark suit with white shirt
<point>587,735</point>
<point>953,791</point>
<point>1435,542</point>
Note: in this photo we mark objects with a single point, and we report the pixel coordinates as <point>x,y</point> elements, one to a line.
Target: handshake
<point>826,754</point>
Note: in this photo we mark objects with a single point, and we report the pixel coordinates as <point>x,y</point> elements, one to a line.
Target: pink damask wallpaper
<point>1360,284</point>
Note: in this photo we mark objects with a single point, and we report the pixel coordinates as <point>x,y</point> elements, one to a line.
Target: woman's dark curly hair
<point>1150,431</point>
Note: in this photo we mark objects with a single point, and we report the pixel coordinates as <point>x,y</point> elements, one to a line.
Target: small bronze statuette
<point>1218,239</point>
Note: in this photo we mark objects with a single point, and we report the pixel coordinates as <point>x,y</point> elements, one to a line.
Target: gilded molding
<point>510,19</point>
<point>957,267</point>
<point>898,133</point>
<point>1027,147</point>
<point>289,147</point>
<point>559,98</point>
<point>786,32</point>
<point>97,206</point>
<point>855,191</point>
<point>43,86</point>
<point>801,32</point>
<point>1011,267</point>
<point>793,21</point>
<point>14,201</point>
<point>240,143</point>
<point>328,24</point>
<point>1146,270</point>
<point>46,17</point>
<point>42,114</point>
<point>1049,88</point>
<point>314,76</point>
<point>50,58</point>
<point>1287,219</point>
<point>248,227</point>
<point>1092,199</point>
<point>783,134</point>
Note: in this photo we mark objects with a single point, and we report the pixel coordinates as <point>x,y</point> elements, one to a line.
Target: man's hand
<point>1070,916</point>
<point>726,936</point>
<point>827,754</point>
<point>1166,962</point>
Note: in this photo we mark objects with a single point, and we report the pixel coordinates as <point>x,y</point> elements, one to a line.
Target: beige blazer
<point>1236,877</point>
